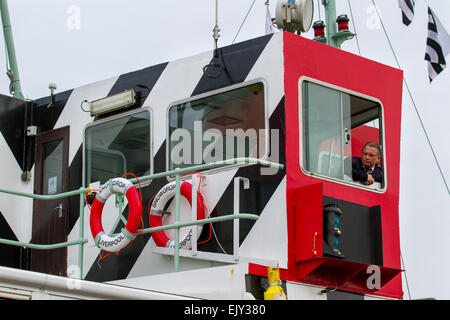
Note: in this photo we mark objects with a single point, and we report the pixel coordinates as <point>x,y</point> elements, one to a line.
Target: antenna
<point>216,29</point>
<point>213,70</point>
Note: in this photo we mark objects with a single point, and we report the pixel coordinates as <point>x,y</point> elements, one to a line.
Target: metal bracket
<point>236,208</point>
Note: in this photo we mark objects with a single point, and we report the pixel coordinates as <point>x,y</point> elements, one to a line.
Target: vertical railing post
<point>177,221</point>
<point>81,234</point>
<point>195,187</point>
<point>236,209</point>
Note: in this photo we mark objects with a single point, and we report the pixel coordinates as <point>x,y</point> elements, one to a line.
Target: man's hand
<point>370,179</point>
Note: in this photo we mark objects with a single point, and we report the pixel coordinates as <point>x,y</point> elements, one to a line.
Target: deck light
<point>115,102</point>
<point>342,22</point>
<point>319,29</point>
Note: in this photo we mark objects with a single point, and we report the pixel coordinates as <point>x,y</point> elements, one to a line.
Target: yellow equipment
<point>275,291</point>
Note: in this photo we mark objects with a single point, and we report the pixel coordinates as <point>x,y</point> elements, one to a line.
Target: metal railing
<point>177,225</point>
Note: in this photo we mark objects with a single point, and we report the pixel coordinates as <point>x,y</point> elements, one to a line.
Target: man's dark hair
<point>373,144</point>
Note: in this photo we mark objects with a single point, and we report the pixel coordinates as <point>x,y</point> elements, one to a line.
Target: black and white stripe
<point>438,45</point>
<point>260,58</point>
<point>12,211</point>
<point>237,69</point>
<point>407,7</point>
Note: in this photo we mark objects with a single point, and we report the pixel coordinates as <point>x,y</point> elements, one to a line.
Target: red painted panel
<point>308,222</point>
<point>308,58</point>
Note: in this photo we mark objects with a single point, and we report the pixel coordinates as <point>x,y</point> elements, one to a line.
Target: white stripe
<point>269,66</point>
<point>177,82</point>
<point>73,116</point>
<point>17,211</point>
<point>269,234</point>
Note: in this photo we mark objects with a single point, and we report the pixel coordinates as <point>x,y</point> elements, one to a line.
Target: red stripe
<point>260,270</point>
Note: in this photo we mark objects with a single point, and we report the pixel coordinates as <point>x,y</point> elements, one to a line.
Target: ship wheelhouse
<point>278,98</point>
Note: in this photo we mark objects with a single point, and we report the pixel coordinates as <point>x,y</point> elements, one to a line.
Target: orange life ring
<point>119,241</point>
<point>157,207</point>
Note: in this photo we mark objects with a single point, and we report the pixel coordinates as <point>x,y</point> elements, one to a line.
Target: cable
<point>240,27</point>
<point>81,105</point>
<point>412,99</point>
<point>218,242</point>
<point>406,278</point>
<point>318,9</point>
<point>354,26</point>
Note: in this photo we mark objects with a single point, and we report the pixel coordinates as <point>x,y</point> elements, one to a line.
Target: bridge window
<point>335,127</point>
<point>116,146</point>
<point>210,128</point>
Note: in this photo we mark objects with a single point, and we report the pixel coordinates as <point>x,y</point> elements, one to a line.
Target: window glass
<point>336,126</point>
<point>52,167</point>
<point>118,146</point>
<point>218,127</point>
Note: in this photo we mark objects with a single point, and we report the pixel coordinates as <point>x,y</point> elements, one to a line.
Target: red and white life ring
<point>119,241</point>
<point>158,204</point>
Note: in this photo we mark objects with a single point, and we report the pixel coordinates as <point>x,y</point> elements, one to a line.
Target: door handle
<point>60,209</point>
<point>347,136</point>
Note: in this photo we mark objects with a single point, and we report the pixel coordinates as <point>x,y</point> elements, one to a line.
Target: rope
<point>406,278</point>
<point>354,26</point>
<point>245,18</point>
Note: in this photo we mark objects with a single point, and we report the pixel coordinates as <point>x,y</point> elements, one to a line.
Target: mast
<point>13,73</point>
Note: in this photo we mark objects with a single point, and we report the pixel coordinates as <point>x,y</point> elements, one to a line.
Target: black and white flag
<point>438,45</point>
<point>407,7</point>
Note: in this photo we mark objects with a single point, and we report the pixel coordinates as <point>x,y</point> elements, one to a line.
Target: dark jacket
<point>359,172</point>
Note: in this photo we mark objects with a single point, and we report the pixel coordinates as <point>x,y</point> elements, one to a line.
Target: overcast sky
<point>73,43</point>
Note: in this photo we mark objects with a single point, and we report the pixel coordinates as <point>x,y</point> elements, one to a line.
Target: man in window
<point>366,169</point>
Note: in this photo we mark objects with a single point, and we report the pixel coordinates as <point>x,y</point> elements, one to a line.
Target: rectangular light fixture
<point>115,102</point>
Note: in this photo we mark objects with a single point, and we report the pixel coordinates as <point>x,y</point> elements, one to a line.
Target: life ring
<point>158,204</point>
<point>119,241</point>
